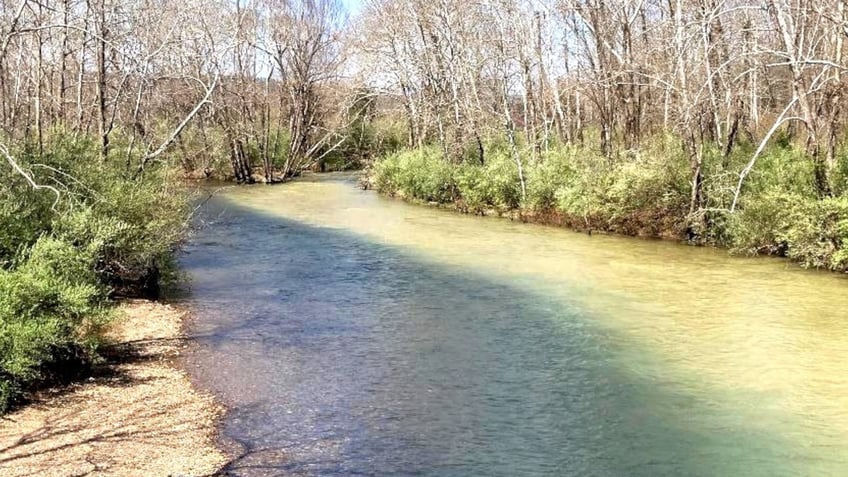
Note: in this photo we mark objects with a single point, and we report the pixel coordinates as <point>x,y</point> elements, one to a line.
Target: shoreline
<point>558,220</point>
<point>546,218</point>
<point>138,414</point>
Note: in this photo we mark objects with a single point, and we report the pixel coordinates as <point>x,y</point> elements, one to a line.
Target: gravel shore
<point>138,416</point>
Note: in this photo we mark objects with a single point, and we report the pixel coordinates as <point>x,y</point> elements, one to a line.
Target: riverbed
<point>351,334</point>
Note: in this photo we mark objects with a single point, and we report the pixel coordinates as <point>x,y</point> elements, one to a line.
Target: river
<point>351,334</point>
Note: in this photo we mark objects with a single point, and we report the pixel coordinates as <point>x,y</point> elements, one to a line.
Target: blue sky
<point>352,6</point>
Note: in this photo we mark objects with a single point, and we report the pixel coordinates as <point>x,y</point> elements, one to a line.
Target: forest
<point>718,122</point>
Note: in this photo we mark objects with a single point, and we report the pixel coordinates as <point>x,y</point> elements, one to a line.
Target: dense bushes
<point>417,175</point>
<point>61,259</point>
<point>810,231</point>
<point>644,192</point>
<point>627,197</point>
<point>493,184</point>
<point>44,304</point>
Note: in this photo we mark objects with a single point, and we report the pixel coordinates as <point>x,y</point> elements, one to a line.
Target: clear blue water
<point>351,335</point>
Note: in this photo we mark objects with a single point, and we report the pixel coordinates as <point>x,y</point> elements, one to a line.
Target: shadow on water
<point>339,356</point>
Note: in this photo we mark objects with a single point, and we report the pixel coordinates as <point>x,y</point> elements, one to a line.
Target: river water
<point>350,334</point>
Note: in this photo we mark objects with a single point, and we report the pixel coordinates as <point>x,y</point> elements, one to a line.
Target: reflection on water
<point>353,334</point>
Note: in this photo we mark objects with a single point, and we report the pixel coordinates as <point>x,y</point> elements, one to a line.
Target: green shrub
<point>760,226</point>
<point>495,184</point>
<point>421,175</point>
<point>648,196</point>
<point>48,305</point>
<point>424,175</point>
<point>647,192</point>
<point>546,178</point>
<point>385,174</point>
<point>583,200</point>
<point>819,238</point>
<point>785,170</point>
<point>60,260</point>
<point>781,214</point>
<point>810,231</point>
<point>470,186</point>
<point>840,176</point>
<point>24,215</point>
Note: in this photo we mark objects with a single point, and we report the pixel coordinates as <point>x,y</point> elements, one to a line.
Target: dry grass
<point>138,417</point>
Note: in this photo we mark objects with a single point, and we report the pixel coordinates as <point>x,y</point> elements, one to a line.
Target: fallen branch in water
<point>207,199</point>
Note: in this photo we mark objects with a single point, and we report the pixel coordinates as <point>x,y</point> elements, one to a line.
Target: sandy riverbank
<point>138,416</point>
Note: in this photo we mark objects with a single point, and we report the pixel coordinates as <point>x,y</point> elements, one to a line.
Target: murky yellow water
<point>759,346</point>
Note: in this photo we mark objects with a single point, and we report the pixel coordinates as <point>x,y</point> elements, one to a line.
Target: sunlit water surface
<point>352,334</point>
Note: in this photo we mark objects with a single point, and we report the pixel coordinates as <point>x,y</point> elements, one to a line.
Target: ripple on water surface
<point>351,334</point>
